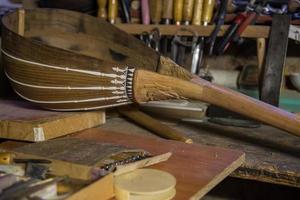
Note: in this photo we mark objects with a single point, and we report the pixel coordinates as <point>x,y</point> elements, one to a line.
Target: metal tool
<point>177,13</point>
<point>187,14</point>
<point>167,16</point>
<point>205,19</point>
<point>152,38</point>
<point>177,42</point>
<point>240,22</point>
<point>125,8</point>
<point>219,22</point>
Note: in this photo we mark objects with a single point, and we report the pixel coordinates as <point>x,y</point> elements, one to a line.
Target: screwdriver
<point>167,16</point>
<point>187,14</point>
<point>102,9</point>
<point>112,11</point>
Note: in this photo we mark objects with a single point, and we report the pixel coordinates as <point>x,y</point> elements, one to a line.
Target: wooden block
<point>83,159</point>
<point>101,188</point>
<point>21,121</point>
<point>197,168</point>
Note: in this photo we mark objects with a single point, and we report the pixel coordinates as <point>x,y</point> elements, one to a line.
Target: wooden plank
<point>197,168</point>
<point>271,155</point>
<point>275,60</point>
<point>254,31</point>
<point>22,121</point>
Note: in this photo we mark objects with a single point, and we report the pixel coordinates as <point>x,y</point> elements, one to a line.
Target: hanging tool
<point>219,22</point>
<point>177,16</point>
<point>152,38</point>
<point>197,52</point>
<point>242,19</point>
<point>112,11</point>
<point>241,22</point>
<point>155,11</point>
<point>125,8</point>
<point>167,16</point>
<point>187,14</point>
<point>145,12</point>
<point>102,13</point>
<point>205,18</point>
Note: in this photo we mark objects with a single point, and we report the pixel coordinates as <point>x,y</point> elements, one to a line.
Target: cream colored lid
<point>145,182</point>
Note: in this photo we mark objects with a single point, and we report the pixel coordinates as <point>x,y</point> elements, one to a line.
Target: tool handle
<point>229,34</point>
<point>261,52</point>
<point>250,18</point>
<point>152,124</point>
<point>150,86</point>
<point>112,11</point>
<point>102,13</point>
<point>177,11</point>
<point>167,12</point>
<point>145,12</point>
<point>197,16</point>
<point>208,8</point>
<point>187,11</point>
<point>155,11</point>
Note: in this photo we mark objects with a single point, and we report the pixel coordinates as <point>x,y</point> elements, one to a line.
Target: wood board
<point>271,155</point>
<point>197,168</point>
<point>20,120</point>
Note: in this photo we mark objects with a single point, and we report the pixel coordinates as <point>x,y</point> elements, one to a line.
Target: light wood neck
<point>149,86</point>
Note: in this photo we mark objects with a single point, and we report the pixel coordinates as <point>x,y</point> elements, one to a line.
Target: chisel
<point>112,11</point>
<point>206,17</point>
<point>187,14</point>
<point>177,16</point>
<point>167,16</point>
<point>197,50</point>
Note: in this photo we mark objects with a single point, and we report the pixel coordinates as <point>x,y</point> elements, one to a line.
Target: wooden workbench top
<point>271,155</point>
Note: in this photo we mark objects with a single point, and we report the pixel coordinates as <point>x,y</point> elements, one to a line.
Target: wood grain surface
<point>21,120</point>
<point>271,155</point>
<point>197,168</point>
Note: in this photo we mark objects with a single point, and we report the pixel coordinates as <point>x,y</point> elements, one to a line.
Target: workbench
<point>271,155</point>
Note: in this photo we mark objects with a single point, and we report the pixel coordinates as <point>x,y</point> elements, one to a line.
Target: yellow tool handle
<point>155,11</point>
<point>112,11</point>
<point>188,11</point>
<point>177,11</point>
<point>167,12</point>
<point>102,13</point>
<point>197,16</point>
<point>208,8</point>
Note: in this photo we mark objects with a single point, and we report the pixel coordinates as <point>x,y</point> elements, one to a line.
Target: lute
<point>60,62</point>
